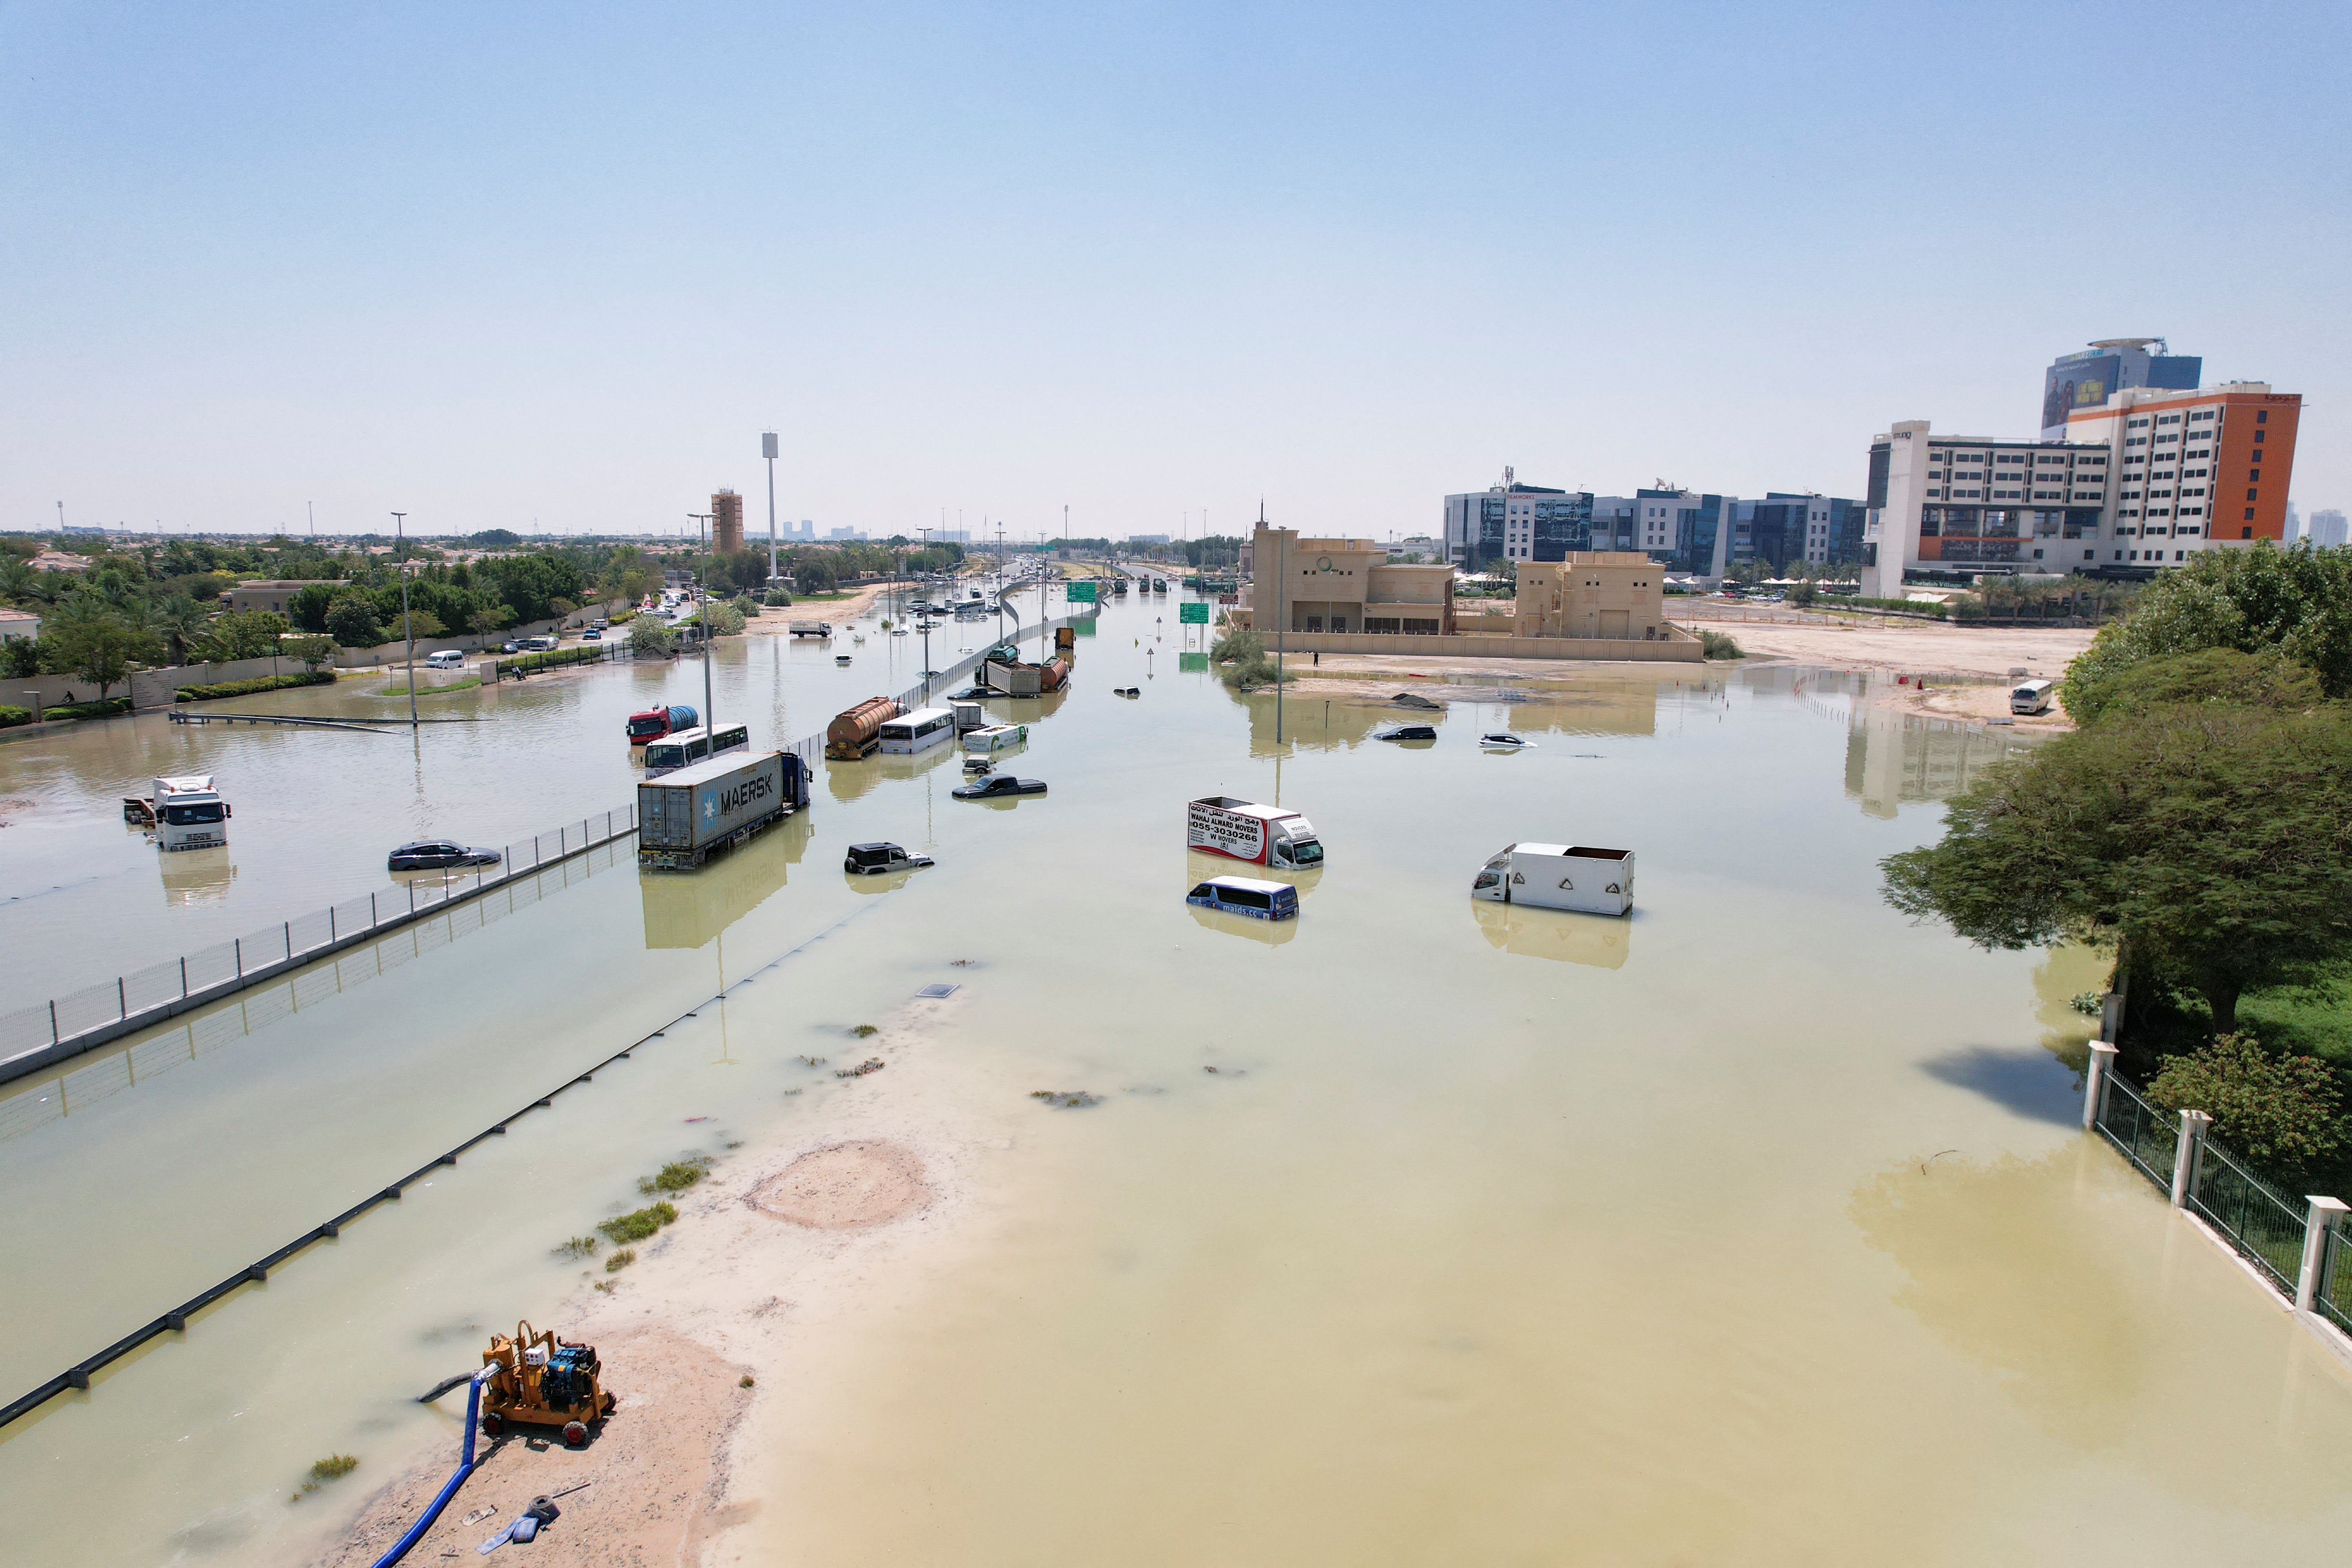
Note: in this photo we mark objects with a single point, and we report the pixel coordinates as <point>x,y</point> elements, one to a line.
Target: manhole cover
<point>937,988</point>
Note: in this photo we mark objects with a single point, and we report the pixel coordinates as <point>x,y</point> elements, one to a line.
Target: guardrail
<point>32,1038</point>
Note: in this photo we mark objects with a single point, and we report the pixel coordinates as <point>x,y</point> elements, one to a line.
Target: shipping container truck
<point>1244,830</point>
<point>1558,876</point>
<point>685,817</point>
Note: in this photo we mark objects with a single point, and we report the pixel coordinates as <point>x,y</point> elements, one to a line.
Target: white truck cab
<point>1244,830</point>
<point>189,812</point>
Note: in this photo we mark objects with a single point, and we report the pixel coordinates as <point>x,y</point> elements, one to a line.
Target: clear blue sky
<point>490,264</point>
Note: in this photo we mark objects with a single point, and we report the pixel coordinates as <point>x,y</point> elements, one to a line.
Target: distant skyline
<point>557,268</point>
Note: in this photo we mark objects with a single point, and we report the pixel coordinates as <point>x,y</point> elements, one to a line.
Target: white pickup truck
<point>1558,876</point>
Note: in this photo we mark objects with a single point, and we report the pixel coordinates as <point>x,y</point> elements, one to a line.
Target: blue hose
<point>464,1468</point>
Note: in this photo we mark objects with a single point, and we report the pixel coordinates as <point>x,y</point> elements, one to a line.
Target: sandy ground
<point>776,619</point>
<point>784,1234</point>
<point>1904,646</point>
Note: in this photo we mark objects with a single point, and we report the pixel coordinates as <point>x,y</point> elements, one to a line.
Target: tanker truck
<point>654,723</point>
<point>856,732</point>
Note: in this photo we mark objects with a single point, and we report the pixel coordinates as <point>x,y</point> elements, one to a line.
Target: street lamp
<point>702,624</point>
<point>408,627</point>
<point>768,451</point>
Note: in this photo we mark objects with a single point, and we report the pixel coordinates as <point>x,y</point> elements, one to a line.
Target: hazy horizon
<point>555,270</point>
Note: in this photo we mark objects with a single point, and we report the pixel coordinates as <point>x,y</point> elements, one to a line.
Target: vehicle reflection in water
<point>689,909</point>
<point>196,875</point>
<point>1199,867</point>
<point>1274,933</point>
<point>849,781</point>
<point>1597,942</point>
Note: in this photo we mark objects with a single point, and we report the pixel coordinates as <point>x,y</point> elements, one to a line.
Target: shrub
<point>247,688</point>
<point>554,659</point>
<point>620,1260</point>
<point>333,1468</point>
<point>1715,645</point>
<point>578,1247</point>
<point>638,1225</point>
<point>2282,1112</point>
<point>12,715</point>
<point>106,709</point>
<point>675,1176</point>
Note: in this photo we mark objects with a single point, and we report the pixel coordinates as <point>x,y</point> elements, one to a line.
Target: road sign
<point>1188,661</point>
<point>1192,613</point>
<point>1081,592</point>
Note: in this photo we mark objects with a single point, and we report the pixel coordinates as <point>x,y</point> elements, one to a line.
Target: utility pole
<point>312,508</point>
<point>408,627</point>
<point>1281,604</point>
<point>702,624</point>
<point>768,451</point>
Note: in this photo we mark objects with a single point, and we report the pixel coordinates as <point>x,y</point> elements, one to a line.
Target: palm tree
<point>179,620</point>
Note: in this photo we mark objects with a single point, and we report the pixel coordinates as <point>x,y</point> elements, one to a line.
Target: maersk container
<point>685,816</point>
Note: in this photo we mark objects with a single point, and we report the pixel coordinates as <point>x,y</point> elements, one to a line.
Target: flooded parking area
<point>1754,1227</point>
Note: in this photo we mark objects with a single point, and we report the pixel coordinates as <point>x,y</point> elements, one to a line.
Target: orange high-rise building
<point>727,522</point>
<point>2195,469</point>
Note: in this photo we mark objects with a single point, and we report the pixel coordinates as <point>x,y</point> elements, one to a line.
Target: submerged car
<point>873,859</point>
<point>1407,733</point>
<point>438,854</point>
<point>1503,741</point>
<point>996,785</point>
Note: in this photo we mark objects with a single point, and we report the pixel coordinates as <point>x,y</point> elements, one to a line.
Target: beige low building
<point>1339,595</point>
<point>267,595</point>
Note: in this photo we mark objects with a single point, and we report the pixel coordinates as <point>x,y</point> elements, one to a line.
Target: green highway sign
<point>1192,661</point>
<point>1193,614</point>
<point>1081,592</point>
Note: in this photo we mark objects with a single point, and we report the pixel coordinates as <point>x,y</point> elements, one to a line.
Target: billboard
<point>2072,383</point>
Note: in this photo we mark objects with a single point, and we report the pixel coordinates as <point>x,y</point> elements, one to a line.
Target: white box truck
<point>1558,876</point>
<point>1244,830</point>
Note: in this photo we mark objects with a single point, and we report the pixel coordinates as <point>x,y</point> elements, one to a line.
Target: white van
<point>2031,696</point>
<point>445,658</point>
<point>538,645</point>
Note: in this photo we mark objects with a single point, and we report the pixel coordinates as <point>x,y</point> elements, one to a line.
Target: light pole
<point>768,451</point>
<point>702,624</point>
<point>399,558</point>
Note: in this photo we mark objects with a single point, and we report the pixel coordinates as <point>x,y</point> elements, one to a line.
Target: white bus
<point>683,748</point>
<point>917,732</point>
<point>2031,696</point>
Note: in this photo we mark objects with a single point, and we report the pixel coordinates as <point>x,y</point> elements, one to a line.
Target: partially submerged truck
<point>685,817</point>
<point>186,812</point>
<point>858,732</point>
<point>1558,876</point>
<point>652,723</point>
<point>1244,830</point>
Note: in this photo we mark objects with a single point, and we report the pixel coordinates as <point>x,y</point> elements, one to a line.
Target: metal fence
<point>150,994</point>
<point>105,1011</point>
<point>2334,1298</point>
<point>2149,1138</point>
<point>2264,1225</point>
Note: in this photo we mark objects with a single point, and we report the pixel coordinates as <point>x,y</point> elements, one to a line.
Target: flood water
<point>1755,1228</point>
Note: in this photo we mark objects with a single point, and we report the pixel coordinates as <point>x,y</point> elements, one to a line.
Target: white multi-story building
<point>2144,480</point>
<point>2326,529</point>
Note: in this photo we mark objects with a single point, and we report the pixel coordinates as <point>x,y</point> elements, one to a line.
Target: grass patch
<point>1065,1098</point>
<point>675,1176</point>
<point>2316,1020</point>
<point>871,1064</point>
<point>578,1247</point>
<point>1715,645</point>
<point>746,1381</point>
<point>464,683</point>
<point>863,1031</point>
<point>620,1260</point>
<point>333,1468</point>
<point>637,1225</point>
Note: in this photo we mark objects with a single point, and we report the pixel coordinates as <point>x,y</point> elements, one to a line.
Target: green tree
<point>100,646</point>
<point>2285,1112</point>
<point>2212,844</point>
<point>649,638</point>
<point>310,652</point>
<point>2297,601</point>
<point>484,619</point>
<point>422,624</point>
<point>351,621</point>
<point>2211,677</point>
<point>243,633</point>
<point>20,657</point>
<point>814,577</point>
<point>182,623</point>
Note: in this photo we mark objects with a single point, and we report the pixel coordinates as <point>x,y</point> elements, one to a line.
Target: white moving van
<point>1558,876</point>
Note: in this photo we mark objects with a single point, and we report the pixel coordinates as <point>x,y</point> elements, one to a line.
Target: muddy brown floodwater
<point>1755,1228</point>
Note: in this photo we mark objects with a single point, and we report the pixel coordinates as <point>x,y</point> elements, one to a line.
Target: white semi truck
<point>189,814</point>
<point>1558,876</point>
<point>1244,830</point>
